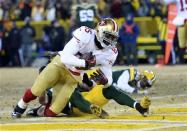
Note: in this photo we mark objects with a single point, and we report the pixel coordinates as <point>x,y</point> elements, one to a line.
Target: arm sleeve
<point>68,57</point>
<point>107,70</point>
<point>122,83</point>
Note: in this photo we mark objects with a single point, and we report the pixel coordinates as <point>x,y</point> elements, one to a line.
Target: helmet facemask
<point>105,33</point>
<point>148,78</point>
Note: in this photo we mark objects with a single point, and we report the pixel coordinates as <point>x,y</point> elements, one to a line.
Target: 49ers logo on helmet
<point>102,23</point>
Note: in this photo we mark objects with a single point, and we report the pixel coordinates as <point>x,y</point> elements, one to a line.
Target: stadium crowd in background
<point>40,10</point>
<point>54,10</point>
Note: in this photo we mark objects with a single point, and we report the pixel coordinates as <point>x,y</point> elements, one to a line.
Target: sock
<point>22,104</point>
<point>49,113</point>
<point>134,105</point>
<point>28,96</point>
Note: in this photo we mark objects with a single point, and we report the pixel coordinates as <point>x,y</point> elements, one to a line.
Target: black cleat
<point>141,110</point>
<point>34,112</point>
<point>17,112</point>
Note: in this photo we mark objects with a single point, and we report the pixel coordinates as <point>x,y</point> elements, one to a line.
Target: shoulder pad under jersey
<point>83,34</point>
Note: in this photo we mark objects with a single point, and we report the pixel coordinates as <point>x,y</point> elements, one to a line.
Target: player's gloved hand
<point>86,85</point>
<point>87,80</point>
<point>99,77</point>
<point>90,60</point>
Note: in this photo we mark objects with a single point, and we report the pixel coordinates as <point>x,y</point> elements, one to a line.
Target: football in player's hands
<point>89,59</point>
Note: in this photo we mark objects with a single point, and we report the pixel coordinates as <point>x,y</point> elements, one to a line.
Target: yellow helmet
<point>107,32</point>
<point>150,76</point>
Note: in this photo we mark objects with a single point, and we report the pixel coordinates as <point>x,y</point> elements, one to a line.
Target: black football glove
<point>99,77</point>
<point>86,80</point>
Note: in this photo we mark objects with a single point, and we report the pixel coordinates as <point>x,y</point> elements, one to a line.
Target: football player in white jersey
<point>65,71</point>
<point>180,21</point>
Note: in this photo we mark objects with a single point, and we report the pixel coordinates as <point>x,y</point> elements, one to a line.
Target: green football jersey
<point>85,14</point>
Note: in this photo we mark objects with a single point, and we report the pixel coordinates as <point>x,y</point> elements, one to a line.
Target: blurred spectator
<point>103,8</point>
<point>63,9</point>
<point>50,12</point>
<point>1,12</point>
<point>38,11</point>
<point>115,9</point>
<point>54,36</point>
<point>6,6</point>
<point>15,13</point>
<point>128,36</point>
<point>27,34</point>
<point>14,42</point>
<point>143,9</point>
<point>5,47</point>
<point>155,8</point>
<point>26,8</point>
<point>127,7</point>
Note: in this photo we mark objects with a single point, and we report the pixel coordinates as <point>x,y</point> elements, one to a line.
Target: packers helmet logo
<point>150,76</point>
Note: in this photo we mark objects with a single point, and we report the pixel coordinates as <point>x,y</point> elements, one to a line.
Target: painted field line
<point>163,127</point>
<point>55,126</point>
<point>88,119</point>
<point>167,96</point>
<point>169,110</point>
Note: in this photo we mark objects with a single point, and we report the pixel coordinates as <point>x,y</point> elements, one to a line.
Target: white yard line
<point>161,97</point>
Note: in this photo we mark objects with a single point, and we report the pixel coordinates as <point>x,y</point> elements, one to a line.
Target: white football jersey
<point>83,41</point>
<point>122,83</point>
<point>181,11</point>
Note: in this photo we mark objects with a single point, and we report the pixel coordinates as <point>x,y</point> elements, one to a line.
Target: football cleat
<point>143,111</point>
<point>143,106</point>
<point>34,112</point>
<point>99,112</point>
<point>17,112</point>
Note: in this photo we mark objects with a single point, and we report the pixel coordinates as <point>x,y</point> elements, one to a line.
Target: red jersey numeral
<point>88,30</point>
<point>115,50</point>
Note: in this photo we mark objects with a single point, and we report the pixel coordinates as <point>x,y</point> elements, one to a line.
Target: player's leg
<point>123,99</point>
<point>46,79</point>
<point>182,41</point>
<point>186,32</point>
<point>63,90</point>
<point>78,101</point>
<point>119,96</point>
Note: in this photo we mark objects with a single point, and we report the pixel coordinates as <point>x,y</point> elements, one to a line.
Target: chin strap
<point>97,43</point>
